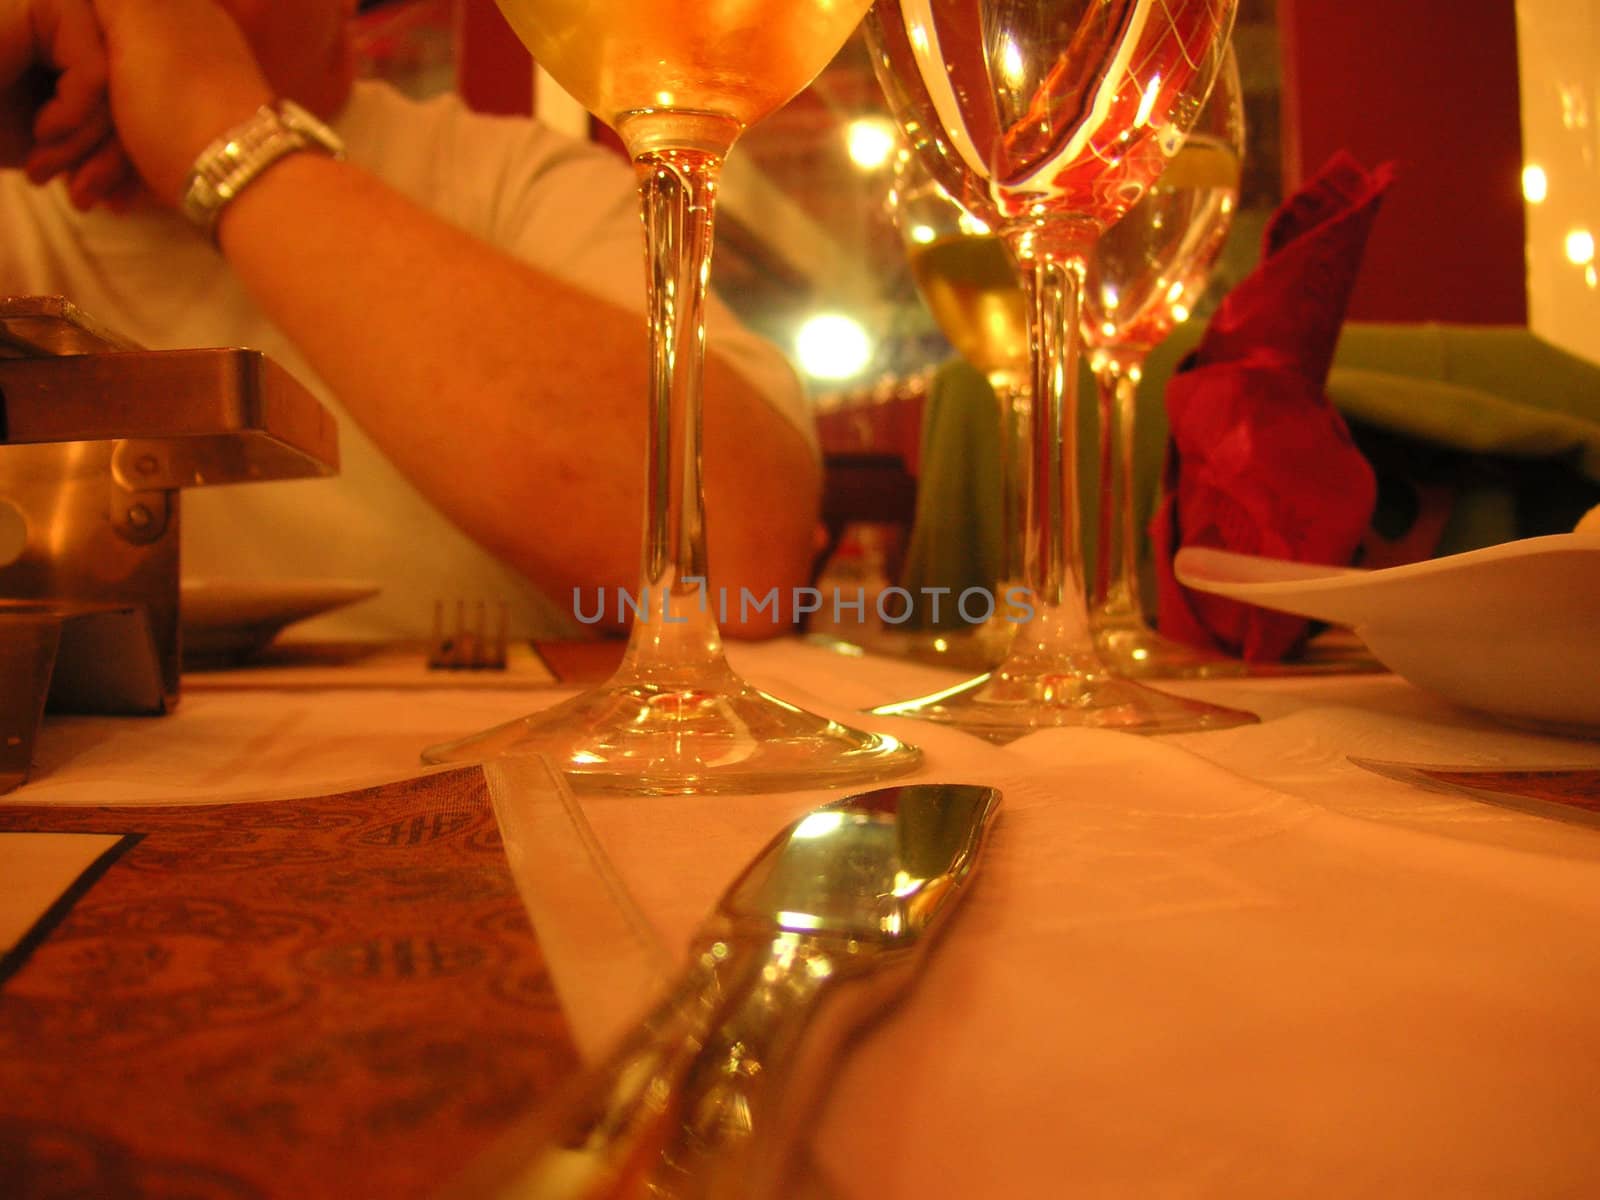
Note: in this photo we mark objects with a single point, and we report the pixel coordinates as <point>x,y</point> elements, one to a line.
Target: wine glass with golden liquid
<point>1049,119</point>
<point>968,281</point>
<point>679,80</point>
<point>1144,277</point>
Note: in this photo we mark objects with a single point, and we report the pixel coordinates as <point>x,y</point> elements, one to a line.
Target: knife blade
<point>823,929</point>
<point>1560,793</point>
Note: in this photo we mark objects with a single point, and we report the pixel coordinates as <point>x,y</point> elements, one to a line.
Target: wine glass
<point>1143,280</point>
<point>678,82</point>
<point>1049,119</point>
<point>969,282</point>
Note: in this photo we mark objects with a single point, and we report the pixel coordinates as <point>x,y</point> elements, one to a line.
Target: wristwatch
<point>229,164</point>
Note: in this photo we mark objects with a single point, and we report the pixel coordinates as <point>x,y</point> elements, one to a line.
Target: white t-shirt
<point>568,208</point>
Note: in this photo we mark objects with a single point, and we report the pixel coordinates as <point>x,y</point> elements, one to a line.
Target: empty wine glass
<point>1144,277</point>
<point>679,80</point>
<point>1049,119</point>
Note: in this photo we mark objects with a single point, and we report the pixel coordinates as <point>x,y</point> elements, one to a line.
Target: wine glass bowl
<point>1143,279</point>
<point>1088,128</point>
<point>1025,110</point>
<point>679,80</point>
<point>679,76</point>
<point>1048,119</point>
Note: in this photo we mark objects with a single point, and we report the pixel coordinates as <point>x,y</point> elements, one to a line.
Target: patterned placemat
<point>339,996</point>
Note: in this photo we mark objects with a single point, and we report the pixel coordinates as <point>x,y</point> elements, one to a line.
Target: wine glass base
<point>1003,706</point>
<point>654,740</point>
<point>964,650</point>
<point>1132,650</point>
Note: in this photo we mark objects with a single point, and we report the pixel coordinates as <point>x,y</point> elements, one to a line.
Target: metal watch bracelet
<point>238,157</point>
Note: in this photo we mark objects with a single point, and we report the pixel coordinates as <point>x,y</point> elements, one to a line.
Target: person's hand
<point>181,74</point>
<point>55,116</point>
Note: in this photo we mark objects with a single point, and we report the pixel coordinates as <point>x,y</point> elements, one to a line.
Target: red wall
<point>493,69</point>
<point>1432,86</point>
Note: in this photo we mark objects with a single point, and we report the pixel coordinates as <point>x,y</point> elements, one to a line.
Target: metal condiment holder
<point>97,439</point>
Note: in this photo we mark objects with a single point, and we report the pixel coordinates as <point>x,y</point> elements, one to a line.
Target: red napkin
<point>1259,461</point>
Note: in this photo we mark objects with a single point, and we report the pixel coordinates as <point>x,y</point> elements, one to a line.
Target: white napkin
<point>38,869</point>
<point>251,745</point>
<point>1169,978</point>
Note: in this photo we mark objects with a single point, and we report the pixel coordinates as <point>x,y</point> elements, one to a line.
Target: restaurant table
<point>261,951</point>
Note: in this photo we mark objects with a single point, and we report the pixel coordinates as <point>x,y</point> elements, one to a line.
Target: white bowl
<point>1512,630</point>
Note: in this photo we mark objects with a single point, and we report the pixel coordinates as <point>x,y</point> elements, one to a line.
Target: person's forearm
<point>419,328</point>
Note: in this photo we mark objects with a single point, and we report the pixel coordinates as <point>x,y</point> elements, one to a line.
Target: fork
<point>468,644</point>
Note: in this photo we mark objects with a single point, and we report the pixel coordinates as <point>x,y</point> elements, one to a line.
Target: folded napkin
<point>1259,460</point>
<point>263,744</point>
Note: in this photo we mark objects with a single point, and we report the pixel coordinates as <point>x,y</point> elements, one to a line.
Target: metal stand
<point>97,439</point>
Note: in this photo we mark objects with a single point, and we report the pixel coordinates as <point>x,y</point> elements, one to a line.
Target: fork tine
<point>469,644</point>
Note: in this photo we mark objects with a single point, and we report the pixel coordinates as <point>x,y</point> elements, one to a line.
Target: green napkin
<point>1467,418</point>
<point>1506,422</point>
<point>955,539</point>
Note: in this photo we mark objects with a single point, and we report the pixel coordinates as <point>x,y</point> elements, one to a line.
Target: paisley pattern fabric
<point>330,996</point>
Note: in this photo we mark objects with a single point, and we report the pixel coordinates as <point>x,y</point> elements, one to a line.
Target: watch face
<point>230,163</point>
<point>298,119</point>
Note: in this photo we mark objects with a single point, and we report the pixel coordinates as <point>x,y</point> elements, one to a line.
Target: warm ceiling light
<point>1580,247</point>
<point>1535,184</point>
<point>831,346</point>
<point>871,142</point>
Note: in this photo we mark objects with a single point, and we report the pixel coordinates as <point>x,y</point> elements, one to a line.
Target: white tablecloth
<point>1225,964</point>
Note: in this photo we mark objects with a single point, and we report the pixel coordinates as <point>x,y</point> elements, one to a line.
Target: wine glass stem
<point>676,640</point>
<point>1011,394</point>
<point>1116,578</point>
<point>1054,557</point>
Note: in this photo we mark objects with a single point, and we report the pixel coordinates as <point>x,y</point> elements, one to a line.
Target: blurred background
<point>806,251</point>
<point>1471,232</point>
